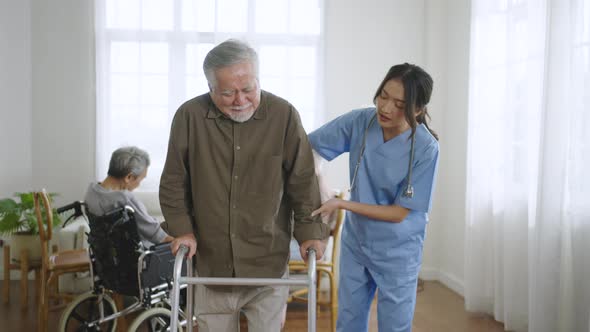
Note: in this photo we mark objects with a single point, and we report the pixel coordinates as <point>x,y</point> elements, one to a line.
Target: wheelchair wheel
<point>152,320</point>
<point>85,309</point>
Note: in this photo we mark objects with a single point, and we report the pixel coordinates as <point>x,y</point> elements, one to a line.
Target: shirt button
<point>237,147</point>
<point>235,177</point>
<point>233,235</point>
<point>234,206</point>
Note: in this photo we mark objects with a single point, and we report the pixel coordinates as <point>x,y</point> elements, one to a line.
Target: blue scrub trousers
<point>359,279</point>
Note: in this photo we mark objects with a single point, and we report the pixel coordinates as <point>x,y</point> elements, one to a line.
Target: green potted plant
<point>18,221</point>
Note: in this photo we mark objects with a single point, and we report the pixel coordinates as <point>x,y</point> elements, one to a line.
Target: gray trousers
<point>218,310</point>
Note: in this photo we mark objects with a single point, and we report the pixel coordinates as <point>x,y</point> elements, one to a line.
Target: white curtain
<point>527,255</point>
<point>149,55</point>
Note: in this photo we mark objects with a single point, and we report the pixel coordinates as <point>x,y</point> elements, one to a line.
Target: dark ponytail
<point>424,118</point>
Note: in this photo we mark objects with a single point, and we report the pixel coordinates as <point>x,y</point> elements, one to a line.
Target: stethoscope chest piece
<point>409,191</point>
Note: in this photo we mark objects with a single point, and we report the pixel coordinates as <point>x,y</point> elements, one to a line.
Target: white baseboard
<point>429,273</point>
<point>447,279</point>
<point>452,282</point>
<point>15,275</point>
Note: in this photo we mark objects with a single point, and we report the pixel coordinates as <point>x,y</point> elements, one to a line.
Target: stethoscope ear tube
<point>362,152</point>
<point>409,191</point>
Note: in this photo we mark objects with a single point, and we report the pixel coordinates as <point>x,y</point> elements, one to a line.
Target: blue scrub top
<point>381,180</point>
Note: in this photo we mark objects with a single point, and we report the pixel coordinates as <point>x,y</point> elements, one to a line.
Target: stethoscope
<point>409,191</point>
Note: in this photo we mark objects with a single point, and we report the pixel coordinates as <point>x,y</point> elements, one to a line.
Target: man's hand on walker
<point>318,245</point>
<point>188,240</point>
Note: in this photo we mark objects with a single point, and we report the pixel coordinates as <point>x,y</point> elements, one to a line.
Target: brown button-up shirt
<point>237,185</point>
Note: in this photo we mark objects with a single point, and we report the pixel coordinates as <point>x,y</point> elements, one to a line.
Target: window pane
<point>232,15</point>
<point>195,86</point>
<point>198,15</point>
<point>195,55</point>
<point>581,21</point>
<point>308,119</point>
<point>156,14</point>
<point>273,60</point>
<point>154,89</point>
<point>122,14</point>
<point>154,58</point>
<point>152,117</point>
<point>271,16</point>
<point>274,85</point>
<point>305,17</point>
<point>121,117</point>
<point>124,57</point>
<point>303,61</point>
<point>124,89</point>
<point>302,94</point>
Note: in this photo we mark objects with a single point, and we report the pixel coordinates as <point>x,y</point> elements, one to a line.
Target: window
<point>149,56</point>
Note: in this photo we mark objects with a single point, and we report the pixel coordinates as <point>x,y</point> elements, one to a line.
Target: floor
<point>438,309</point>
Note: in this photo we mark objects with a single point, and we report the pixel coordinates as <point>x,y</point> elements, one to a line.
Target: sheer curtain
<point>527,255</point>
<point>149,56</point>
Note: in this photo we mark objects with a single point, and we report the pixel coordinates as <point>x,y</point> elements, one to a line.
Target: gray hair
<point>128,160</point>
<point>228,53</point>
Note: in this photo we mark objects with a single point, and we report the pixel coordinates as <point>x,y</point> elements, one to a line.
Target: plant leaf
<point>56,219</point>
<point>22,214</point>
<point>26,200</point>
<point>32,222</point>
<point>10,223</point>
<point>8,205</point>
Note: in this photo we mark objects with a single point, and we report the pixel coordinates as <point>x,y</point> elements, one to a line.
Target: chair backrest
<point>337,229</point>
<point>115,247</point>
<point>45,228</point>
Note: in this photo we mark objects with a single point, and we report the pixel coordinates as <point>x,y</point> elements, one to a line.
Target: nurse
<point>393,166</point>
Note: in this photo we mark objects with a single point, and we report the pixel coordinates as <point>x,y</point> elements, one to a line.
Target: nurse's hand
<point>318,245</point>
<point>328,207</point>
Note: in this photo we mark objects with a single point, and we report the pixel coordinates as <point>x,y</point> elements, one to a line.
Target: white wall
<point>435,40</point>
<point>50,104</point>
<point>363,40</point>
<point>454,161</point>
<point>15,98</point>
<point>63,96</point>
<point>448,56</point>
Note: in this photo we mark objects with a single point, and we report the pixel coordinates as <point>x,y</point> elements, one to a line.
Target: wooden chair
<point>326,266</point>
<point>52,266</point>
<point>25,265</point>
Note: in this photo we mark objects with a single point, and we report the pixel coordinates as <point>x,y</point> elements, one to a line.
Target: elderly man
<point>239,167</point>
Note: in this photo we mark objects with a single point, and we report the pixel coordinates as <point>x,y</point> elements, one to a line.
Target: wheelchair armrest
<point>160,246</point>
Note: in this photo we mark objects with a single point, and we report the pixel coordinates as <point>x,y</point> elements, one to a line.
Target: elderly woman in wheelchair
<point>127,168</point>
<point>124,259</point>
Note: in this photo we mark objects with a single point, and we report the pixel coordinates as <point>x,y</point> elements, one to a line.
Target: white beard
<point>241,116</point>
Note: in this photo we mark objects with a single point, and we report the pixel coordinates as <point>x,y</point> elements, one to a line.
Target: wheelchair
<point>121,264</point>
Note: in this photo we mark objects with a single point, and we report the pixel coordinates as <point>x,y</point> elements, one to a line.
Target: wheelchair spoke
<point>152,320</point>
<point>85,310</point>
